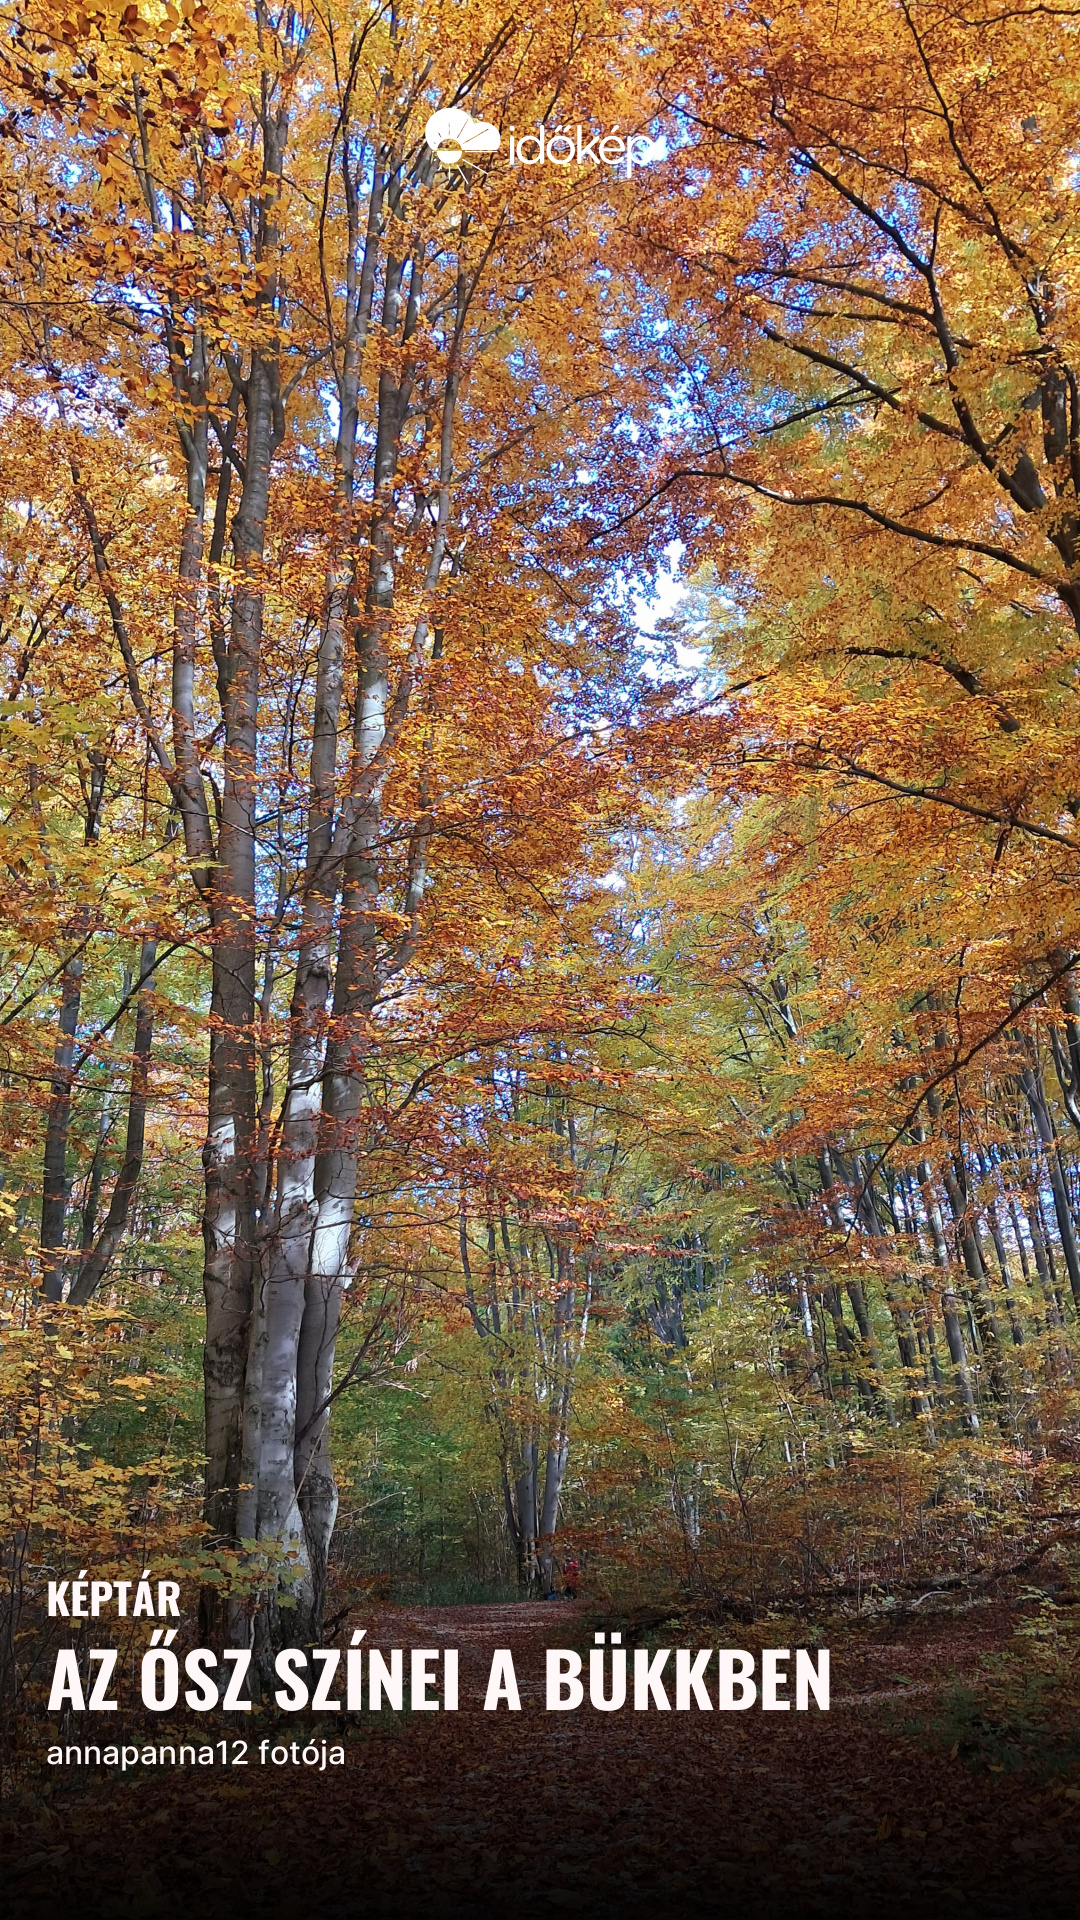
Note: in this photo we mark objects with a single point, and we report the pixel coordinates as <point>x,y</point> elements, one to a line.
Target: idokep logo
<point>575,143</point>
<point>454,137</point>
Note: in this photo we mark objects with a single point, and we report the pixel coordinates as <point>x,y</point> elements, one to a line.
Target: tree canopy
<point>540,981</point>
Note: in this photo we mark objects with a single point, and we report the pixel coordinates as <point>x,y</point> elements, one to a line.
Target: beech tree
<point>368,377</point>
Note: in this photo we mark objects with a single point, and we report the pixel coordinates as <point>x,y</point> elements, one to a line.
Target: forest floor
<point>863,1810</point>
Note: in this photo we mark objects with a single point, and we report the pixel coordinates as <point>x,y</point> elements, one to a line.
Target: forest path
<point>621,1814</point>
<point>636,1814</point>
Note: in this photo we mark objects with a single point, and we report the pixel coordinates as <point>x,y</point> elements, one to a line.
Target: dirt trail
<point>627,1814</point>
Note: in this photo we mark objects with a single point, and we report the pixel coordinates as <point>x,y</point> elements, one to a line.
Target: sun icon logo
<point>453,136</point>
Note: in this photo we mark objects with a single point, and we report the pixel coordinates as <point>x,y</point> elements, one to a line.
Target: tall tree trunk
<point>869,1380</point>
<point>302,1301</point>
<point>54,1184</point>
<point>363,970</point>
<point>229,1154</point>
<point>906,1344</point>
<point>954,1178</point>
<point>1030,1078</point>
<point>96,1260</point>
<point>234,1357</point>
<point>950,1305</point>
<point>525,1514</point>
<point>1015,1328</point>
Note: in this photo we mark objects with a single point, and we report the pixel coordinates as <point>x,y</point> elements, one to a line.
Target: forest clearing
<point>540,925</point>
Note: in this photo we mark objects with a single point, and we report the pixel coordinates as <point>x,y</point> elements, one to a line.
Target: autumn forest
<point>539,808</point>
